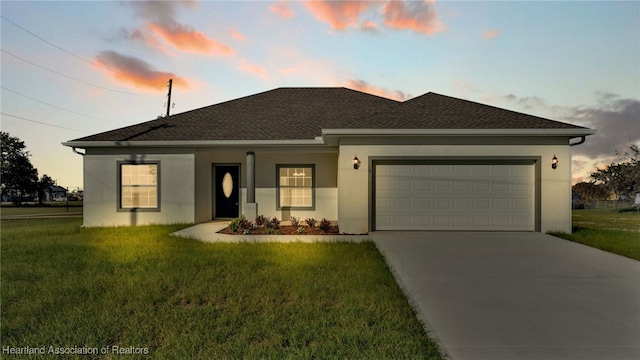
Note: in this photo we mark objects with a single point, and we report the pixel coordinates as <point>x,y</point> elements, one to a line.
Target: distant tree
<point>19,177</point>
<point>623,177</point>
<point>45,183</point>
<point>590,191</point>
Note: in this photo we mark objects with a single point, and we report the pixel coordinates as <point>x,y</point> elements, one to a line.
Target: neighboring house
<point>430,163</point>
<point>55,192</point>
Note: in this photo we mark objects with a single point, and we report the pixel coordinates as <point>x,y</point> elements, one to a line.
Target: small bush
<point>245,224</point>
<point>240,224</point>
<point>311,222</point>
<point>274,223</point>
<point>295,221</point>
<point>325,225</point>
<point>234,225</point>
<point>301,230</point>
<point>261,220</point>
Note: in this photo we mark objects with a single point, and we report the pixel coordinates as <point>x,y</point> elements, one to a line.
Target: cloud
<point>490,34</point>
<point>283,9</point>
<point>339,14</point>
<point>369,26</point>
<point>133,71</point>
<point>420,17</point>
<point>616,120</point>
<point>237,35</point>
<point>161,23</point>
<point>364,86</point>
<point>254,69</point>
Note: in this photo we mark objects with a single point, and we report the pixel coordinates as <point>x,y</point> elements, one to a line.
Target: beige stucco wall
<point>555,198</point>
<point>101,193</point>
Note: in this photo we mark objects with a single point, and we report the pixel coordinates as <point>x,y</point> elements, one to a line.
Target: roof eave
<point>191,143</point>
<point>569,132</point>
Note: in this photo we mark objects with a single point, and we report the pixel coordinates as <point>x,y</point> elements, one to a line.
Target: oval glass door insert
<point>227,185</point>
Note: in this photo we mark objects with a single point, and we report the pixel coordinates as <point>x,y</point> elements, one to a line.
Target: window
<point>139,186</point>
<point>296,186</point>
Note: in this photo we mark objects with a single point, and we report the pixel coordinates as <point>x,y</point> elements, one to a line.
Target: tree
<point>44,184</point>
<point>623,177</point>
<point>19,177</point>
<point>590,191</point>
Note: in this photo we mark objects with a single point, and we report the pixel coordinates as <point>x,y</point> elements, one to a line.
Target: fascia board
<point>191,143</point>
<point>458,132</point>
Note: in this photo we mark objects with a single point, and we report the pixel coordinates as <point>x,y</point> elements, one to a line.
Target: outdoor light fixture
<point>554,162</point>
<point>356,163</point>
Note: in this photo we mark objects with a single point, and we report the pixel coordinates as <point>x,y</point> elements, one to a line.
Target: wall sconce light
<point>554,162</point>
<point>356,163</point>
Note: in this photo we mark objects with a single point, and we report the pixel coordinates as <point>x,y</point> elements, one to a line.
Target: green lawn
<point>607,229</point>
<point>50,208</point>
<point>67,286</point>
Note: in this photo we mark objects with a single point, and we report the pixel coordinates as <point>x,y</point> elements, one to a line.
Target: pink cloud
<point>420,17</point>
<point>339,14</point>
<point>190,40</point>
<point>133,71</point>
<point>364,86</point>
<point>254,69</point>
<point>237,35</point>
<point>283,9</point>
<point>490,34</point>
<point>369,26</point>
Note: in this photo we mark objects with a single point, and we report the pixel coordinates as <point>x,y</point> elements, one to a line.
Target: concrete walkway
<point>208,232</point>
<point>518,295</point>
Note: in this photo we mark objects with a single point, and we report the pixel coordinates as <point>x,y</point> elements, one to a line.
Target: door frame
<point>214,187</point>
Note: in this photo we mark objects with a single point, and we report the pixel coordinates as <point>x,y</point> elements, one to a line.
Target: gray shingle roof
<point>302,113</point>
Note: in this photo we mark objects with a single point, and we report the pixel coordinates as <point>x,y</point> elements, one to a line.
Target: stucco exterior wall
<point>177,180</point>
<point>326,191</point>
<point>354,185</point>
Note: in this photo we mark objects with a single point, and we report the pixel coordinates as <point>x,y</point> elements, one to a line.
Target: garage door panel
<point>454,197</point>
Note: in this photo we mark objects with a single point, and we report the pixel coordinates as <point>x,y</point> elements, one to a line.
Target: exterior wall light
<point>356,163</point>
<point>554,162</point>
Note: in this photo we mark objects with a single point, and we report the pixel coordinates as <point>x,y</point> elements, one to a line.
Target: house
<point>433,162</point>
<point>55,192</point>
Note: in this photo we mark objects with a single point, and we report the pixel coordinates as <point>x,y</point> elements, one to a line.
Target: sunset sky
<point>72,69</point>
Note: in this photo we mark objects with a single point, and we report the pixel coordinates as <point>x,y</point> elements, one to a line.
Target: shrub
<point>325,225</point>
<point>311,222</point>
<point>295,221</point>
<point>261,220</point>
<point>234,225</point>
<point>301,230</point>
<point>240,224</point>
<point>274,223</point>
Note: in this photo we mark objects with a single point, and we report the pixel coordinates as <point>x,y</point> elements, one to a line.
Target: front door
<point>226,191</point>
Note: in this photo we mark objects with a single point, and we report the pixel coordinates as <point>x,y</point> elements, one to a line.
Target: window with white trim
<point>139,186</point>
<point>296,186</point>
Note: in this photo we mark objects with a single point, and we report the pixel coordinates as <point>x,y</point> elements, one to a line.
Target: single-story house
<point>433,162</point>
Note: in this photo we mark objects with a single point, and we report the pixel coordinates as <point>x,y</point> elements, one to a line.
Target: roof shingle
<point>302,113</point>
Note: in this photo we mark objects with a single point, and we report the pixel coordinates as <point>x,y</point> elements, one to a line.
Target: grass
<point>67,286</point>
<point>49,208</point>
<point>607,229</point>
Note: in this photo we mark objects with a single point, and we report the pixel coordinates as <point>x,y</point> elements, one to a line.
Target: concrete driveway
<point>514,295</point>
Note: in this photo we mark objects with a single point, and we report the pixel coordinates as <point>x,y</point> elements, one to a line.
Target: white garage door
<point>455,197</point>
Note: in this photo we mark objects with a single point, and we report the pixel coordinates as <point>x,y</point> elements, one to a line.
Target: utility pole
<point>169,97</point>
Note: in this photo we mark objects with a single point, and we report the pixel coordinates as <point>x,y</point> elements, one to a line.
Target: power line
<point>67,76</point>
<point>39,122</point>
<point>54,106</point>
<point>60,48</point>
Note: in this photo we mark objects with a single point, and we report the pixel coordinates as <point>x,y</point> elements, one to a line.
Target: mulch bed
<point>284,230</point>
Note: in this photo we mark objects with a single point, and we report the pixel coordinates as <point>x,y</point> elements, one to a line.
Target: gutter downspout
<point>582,140</point>
<point>77,152</point>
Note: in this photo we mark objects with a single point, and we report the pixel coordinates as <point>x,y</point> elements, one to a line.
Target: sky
<point>73,69</point>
